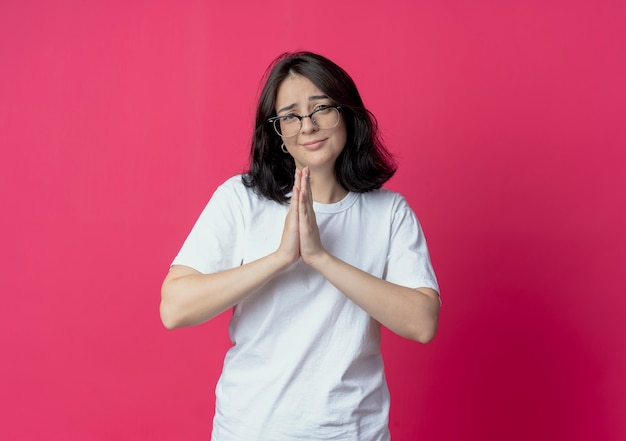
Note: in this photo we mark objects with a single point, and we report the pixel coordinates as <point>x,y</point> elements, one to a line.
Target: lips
<point>313,145</point>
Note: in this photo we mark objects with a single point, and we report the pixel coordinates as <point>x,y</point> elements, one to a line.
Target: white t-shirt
<point>305,362</point>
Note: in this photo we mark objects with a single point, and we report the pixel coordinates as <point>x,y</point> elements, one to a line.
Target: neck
<point>325,188</point>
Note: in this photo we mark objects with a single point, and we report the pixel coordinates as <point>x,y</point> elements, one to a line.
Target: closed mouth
<point>313,143</point>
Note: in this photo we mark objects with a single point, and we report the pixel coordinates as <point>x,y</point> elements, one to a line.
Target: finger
<point>295,195</point>
<point>290,241</point>
<point>297,178</point>
<point>305,186</point>
<point>294,205</point>
<point>307,214</point>
<point>305,189</point>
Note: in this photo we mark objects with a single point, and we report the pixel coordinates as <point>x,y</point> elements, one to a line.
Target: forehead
<point>296,90</point>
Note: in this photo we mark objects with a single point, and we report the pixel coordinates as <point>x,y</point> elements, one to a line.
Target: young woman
<point>314,256</point>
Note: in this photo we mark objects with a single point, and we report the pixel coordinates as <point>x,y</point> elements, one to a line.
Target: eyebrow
<point>311,98</point>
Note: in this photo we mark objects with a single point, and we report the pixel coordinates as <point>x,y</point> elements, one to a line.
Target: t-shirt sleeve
<point>408,261</point>
<point>214,242</point>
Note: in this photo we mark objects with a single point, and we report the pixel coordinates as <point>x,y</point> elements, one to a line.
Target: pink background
<point>118,119</point>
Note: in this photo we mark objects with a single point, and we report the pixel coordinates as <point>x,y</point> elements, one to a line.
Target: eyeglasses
<point>324,117</point>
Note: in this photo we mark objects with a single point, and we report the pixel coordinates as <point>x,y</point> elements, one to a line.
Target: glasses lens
<point>326,118</point>
<point>287,126</point>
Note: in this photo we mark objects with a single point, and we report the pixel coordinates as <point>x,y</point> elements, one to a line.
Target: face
<point>312,146</point>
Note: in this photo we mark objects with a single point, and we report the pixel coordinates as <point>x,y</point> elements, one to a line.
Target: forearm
<point>189,298</point>
<point>408,312</point>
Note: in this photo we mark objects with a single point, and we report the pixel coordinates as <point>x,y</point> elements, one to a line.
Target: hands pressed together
<point>301,236</point>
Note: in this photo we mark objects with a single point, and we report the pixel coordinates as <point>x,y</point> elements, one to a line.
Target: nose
<point>308,124</point>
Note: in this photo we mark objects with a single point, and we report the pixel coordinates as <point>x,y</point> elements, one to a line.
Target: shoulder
<point>234,183</point>
<point>390,205</point>
<point>384,197</point>
<point>235,187</point>
<point>234,191</point>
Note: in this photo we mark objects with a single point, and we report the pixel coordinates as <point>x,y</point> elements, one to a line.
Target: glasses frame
<point>274,119</point>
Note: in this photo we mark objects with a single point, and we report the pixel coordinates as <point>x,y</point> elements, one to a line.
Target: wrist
<point>281,261</point>
<point>319,261</point>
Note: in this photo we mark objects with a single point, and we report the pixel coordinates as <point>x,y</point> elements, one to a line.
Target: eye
<point>322,108</point>
<point>291,117</point>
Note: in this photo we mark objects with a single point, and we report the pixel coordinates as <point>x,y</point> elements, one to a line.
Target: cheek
<point>289,142</point>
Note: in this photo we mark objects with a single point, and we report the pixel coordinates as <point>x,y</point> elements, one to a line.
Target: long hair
<point>364,164</point>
